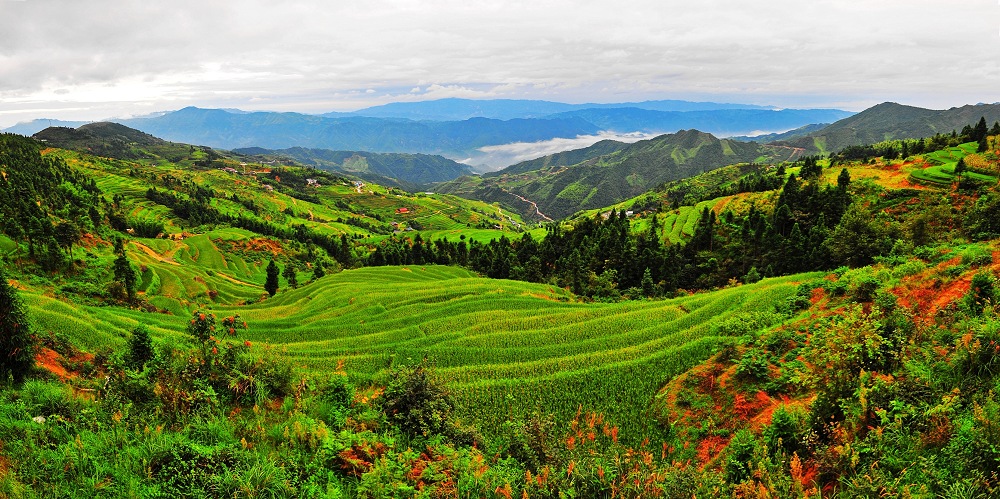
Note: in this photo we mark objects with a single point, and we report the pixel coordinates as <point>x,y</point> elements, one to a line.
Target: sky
<point>96,59</point>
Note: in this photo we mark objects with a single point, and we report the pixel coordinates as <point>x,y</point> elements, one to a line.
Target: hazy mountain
<point>559,190</point>
<point>453,109</point>
<point>228,130</point>
<point>404,170</point>
<point>720,121</point>
<point>34,126</point>
<point>890,120</point>
<point>773,137</point>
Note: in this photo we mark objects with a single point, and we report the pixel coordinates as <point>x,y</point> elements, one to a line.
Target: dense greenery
<point>193,365</point>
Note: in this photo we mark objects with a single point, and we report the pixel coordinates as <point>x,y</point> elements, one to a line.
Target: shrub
<point>754,365</point>
<point>981,292</point>
<point>977,256</point>
<point>140,348</point>
<point>787,430</point>
<point>416,403</point>
<point>17,345</point>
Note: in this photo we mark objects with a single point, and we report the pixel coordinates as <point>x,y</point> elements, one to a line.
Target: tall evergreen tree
<point>124,273</point>
<point>17,346</point>
<point>271,284</point>
<point>981,130</point>
<point>960,168</point>
<point>291,275</point>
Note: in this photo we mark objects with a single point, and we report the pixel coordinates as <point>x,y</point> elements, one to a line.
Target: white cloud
<point>114,55</point>
<point>492,158</point>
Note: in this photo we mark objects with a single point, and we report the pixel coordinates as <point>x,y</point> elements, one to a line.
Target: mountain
<point>718,121</point>
<point>409,171</point>
<point>504,109</point>
<point>228,130</point>
<point>890,120</point>
<point>557,190</point>
<point>32,127</point>
<point>102,138</point>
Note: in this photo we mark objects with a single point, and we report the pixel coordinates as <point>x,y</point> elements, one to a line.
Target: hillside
<point>888,121</point>
<point>560,190</point>
<point>409,171</point>
<point>811,328</point>
<point>102,139</point>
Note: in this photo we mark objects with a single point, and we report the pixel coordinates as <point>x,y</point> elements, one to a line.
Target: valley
<point>703,316</point>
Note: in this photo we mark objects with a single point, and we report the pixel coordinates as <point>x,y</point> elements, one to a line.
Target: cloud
<point>492,158</point>
<point>315,56</point>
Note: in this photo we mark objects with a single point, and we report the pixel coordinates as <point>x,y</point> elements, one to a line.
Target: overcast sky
<point>86,60</point>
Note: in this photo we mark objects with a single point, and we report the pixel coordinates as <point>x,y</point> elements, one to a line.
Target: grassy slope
<point>505,346</point>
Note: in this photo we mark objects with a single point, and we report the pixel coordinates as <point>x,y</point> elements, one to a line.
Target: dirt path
<point>532,203</point>
<point>149,251</point>
<point>237,281</point>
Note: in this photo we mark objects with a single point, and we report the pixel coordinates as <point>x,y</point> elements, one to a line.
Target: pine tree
<point>17,346</point>
<point>648,286</point>
<point>981,130</point>
<point>291,275</point>
<point>271,284</point>
<point>124,273</point>
<point>960,168</point>
<point>983,146</point>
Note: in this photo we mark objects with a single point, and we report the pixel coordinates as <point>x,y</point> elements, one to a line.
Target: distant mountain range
<point>457,128</point>
<point>455,109</point>
<point>554,188</point>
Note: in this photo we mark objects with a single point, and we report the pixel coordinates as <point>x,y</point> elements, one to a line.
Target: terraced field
<point>505,347</point>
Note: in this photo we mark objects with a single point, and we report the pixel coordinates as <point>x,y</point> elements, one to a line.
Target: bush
<point>140,348</point>
<point>754,365</point>
<point>981,292</point>
<point>416,403</point>
<point>17,345</point>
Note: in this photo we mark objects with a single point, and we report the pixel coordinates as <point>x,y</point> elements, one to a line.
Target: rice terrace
<point>305,250</point>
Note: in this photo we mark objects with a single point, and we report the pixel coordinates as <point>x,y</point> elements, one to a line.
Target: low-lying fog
<point>493,158</point>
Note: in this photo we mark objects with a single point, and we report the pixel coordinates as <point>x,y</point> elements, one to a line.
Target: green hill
<point>409,171</point>
<point>889,121</point>
<point>560,190</point>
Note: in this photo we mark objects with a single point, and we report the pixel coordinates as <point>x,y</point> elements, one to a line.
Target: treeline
<point>601,256</point>
<point>198,211</point>
<point>45,203</point>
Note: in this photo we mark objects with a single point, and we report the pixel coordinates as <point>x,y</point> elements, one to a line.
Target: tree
<point>271,284</point>
<point>124,273</point>
<point>960,168</point>
<point>290,275</point>
<point>648,286</point>
<point>318,271</point>
<point>859,237</point>
<point>140,348</point>
<point>67,234</point>
<point>981,130</point>
<point>983,145</point>
<point>17,345</point>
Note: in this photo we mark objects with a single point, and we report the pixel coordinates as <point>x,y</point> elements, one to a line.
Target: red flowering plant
<point>228,363</point>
